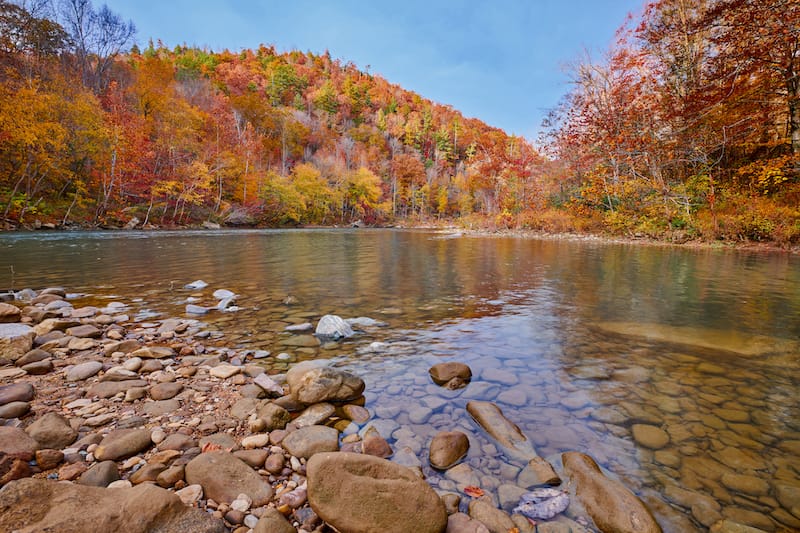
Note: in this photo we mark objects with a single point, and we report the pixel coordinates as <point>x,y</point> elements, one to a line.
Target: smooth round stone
<point>165,391</point>
<point>84,370</point>
<point>38,368</point>
<point>17,392</point>
<point>649,436</point>
<point>447,448</point>
<point>14,409</point>
<point>133,364</point>
<point>310,440</point>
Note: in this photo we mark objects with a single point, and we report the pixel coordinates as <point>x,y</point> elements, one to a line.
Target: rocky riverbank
<point>111,424</point>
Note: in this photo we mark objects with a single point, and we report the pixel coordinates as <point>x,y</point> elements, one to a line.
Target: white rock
<point>255,441</point>
<point>225,371</point>
<point>196,309</point>
<point>250,521</point>
<point>334,327</point>
<point>365,322</point>
<point>158,435</point>
<point>305,326</point>
<point>196,285</point>
<point>268,384</point>
<point>190,494</point>
<point>261,354</point>
<point>221,294</point>
<point>225,303</point>
<point>242,503</point>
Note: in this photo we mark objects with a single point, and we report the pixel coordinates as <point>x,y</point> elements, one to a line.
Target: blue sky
<point>502,61</point>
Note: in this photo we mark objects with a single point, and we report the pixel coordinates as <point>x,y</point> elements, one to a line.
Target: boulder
<point>84,331</point>
<point>165,391</point>
<point>16,392</point>
<point>16,443</point>
<point>442,373</point>
<point>52,431</point>
<point>14,409</point>
<point>314,414</point>
<point>354,492</point>
<point>123,443</point>
<point>448,448</point>
<point>12,468</point>
<point>33,505</point>
<point>84,370</point>
<point>374,444</point>
<point>223,477</point>
<point>610,504</point>
<point>310,440</point>
<point>333,327</point>
<point>9,313</point>
<point>274,416</point>
<point>538,472</point>
<point>100,474</point>
<point>15,340</point>
<point>502,430</point>
<point>311,383</point>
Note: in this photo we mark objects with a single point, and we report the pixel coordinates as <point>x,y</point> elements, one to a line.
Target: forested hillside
<point>97,131</point>
<point>690,126</point>
<point>687,128</point>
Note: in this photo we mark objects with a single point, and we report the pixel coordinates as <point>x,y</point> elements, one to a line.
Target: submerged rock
<point>611,506</point>
<point>448,448</point>
<point>196,285</point>
<point>502,430</point>
<point>730,341</point>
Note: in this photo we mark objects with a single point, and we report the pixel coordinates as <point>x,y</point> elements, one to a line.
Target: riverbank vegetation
<point>689,128</point>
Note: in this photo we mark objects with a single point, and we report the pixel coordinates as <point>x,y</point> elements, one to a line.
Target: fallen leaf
<point>475,492</point>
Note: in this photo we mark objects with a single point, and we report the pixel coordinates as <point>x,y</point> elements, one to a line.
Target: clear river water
<point>578,342</point>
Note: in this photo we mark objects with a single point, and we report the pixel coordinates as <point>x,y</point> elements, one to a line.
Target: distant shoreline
<point>452,230</point>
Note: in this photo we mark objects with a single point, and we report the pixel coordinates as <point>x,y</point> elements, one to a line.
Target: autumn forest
<point>687,128</point>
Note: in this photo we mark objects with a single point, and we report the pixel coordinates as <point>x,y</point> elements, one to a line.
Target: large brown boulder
<point>612,506</point>
<point>367,494</point>
<point>311,383</point>
<point>34,505</point>
<point>223,477</point>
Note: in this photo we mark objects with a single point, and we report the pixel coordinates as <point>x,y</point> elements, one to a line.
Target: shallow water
<point>577,342</point>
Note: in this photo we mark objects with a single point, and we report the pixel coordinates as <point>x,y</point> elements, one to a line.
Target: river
<point>581,343</point>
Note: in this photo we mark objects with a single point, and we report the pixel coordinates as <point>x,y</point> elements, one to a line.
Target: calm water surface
<point>577,342</point>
